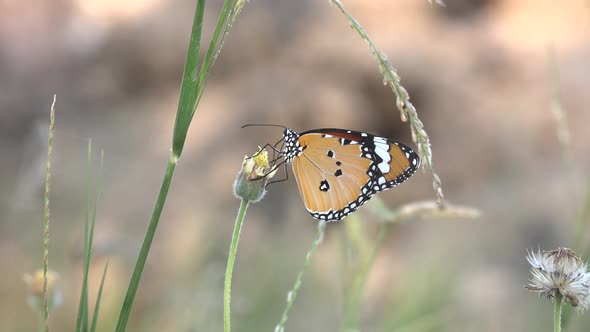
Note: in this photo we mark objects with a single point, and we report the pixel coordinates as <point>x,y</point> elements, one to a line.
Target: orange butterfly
<point>338,170</point>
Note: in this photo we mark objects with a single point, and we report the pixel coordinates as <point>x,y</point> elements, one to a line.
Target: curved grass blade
<point>98,298</point>
<point>82,319</point>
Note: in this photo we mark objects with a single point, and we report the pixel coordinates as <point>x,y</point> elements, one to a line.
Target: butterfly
<point>339,170</point>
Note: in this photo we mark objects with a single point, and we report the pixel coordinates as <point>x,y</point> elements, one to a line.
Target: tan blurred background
<point>477,71</point>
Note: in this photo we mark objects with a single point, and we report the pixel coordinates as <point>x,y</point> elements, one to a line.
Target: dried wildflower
<point>35,282</point>
<point>560,271</point>
<point>251,181</point>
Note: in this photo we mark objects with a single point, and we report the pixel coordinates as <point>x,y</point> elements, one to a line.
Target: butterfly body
<point>339,170</point>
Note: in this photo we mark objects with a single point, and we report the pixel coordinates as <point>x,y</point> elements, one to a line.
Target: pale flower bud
<point>252,179</point>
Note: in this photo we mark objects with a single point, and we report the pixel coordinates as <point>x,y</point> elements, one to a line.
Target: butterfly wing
<point>339,170</point>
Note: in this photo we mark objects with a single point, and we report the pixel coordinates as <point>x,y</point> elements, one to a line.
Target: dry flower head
<point>560,271</point>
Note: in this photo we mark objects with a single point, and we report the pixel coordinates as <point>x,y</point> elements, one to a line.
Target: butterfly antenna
<point>262,125</point>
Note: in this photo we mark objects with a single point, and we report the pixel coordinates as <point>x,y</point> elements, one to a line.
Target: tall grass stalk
<point>420,137</point>
<point>407,110</point>
<point>558,111</point>
<point>46,214</point>
<point>565,143</point>
<point>582,222</point>
<point>192,87</point>
<point>292,294</point>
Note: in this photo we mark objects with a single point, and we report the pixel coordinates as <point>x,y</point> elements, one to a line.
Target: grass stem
<point>293,292</point>
<point>351,317</point>
<point>145,247</point>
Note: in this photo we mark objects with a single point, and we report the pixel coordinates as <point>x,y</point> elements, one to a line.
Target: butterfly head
<point>291,148</point>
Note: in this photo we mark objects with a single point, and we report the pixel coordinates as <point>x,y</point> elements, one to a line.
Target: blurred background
<point>478,72</point>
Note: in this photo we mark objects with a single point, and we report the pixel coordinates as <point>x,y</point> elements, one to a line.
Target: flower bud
<point>252,179</point>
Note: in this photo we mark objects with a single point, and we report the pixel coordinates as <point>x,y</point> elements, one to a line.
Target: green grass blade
<point>145,248</point>
<point>188,91</point>
<point>188,105</point>
<point>82,319</point>
<point>191,92</point>
<point>98,298</point>
<point>222,24</point>
<point>88,253</point>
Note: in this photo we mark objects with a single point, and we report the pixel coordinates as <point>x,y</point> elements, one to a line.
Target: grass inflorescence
<point>46,214</point>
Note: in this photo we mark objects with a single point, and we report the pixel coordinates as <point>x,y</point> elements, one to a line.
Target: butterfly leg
<point>281,180</point>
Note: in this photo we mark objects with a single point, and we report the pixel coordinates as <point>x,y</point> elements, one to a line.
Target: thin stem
<point>293,292</point>
<point>557,322</point>
<point>351,319</point>
<point>145,247</point>
<point>230,265</point>
<point>46,215</point>
<point>582,222</point>
<point>558,110</point>
<point>82,318</point>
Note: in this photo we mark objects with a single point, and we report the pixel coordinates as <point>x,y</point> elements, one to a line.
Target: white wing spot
<point>381,148</point>
<point>384,167</point>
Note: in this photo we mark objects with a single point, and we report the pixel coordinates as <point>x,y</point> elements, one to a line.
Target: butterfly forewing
<point>329,175</point>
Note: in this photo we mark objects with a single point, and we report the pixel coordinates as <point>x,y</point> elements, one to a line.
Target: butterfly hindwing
<point>338,170</point>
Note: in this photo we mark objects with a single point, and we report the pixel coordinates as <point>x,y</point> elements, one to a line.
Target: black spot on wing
<point>324,185</point>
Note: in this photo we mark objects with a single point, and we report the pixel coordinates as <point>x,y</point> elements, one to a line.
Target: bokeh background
<point>478,72</point>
